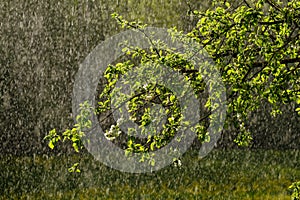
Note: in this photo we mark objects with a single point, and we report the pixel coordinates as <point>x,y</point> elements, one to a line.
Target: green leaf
<point>74,168</point>
<point>50,144</point>
<point>227,4</point>
<point>172,98</point>
<point>75,146</point>
<point>152,146</point>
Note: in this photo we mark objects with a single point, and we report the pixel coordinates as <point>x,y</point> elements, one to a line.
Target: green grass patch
<point>235,174</point>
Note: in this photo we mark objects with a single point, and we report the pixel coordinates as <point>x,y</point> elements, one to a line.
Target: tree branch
<point>271,23</point>
<point>274,5</point>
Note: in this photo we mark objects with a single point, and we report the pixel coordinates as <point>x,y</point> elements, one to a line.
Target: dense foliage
<point>255,47</point>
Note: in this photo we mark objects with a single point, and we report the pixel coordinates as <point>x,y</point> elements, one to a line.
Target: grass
<point>234,174</point>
